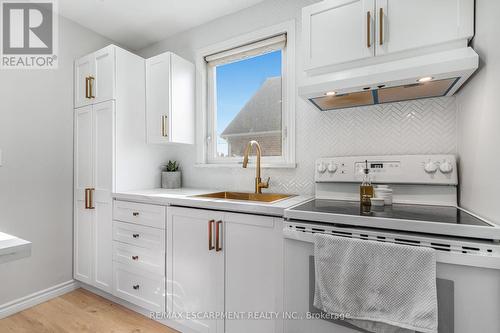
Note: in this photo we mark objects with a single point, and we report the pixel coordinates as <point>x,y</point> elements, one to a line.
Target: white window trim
<point>288,93</point>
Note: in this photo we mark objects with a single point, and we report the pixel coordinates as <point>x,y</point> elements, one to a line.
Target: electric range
<point>424,196</point>
<point>424,213</point>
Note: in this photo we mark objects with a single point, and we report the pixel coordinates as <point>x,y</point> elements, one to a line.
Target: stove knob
<point>446,167</point>
<point>430,167</point>
<point>332,167</point>
<point>321,167</point>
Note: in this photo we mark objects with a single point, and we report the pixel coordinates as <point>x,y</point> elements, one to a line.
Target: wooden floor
<point>80,311</point>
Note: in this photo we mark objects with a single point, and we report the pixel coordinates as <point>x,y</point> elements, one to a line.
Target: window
<point>246,99</point>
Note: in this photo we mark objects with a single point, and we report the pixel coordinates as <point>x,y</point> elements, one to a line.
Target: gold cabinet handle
<point>368,29</point>
<point>164,126</point>
<point>87,87</point>
<point>381,26</point>
<point>218,229</point>
<point>210,236</point>
<point>89,198</point>
<point>87,203</point>
<point>91,87</point>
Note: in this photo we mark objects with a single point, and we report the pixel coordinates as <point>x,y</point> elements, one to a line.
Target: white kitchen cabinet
<point>139,254</point>
<point>195,269</point>
<point>338,31</point>
<point>139,235</point>
<point>253,250</point>
<point>83,219</point>
<point>94,130</point>
<point>139,287</point>
<point>341,34</point>
<point>110,154</point>
<point>224,262</point>
<point>170,99</point>
<point>83,70</point>
<point>104,120</point>
<point>407,24</point>
<point>142,259</point>
<point>95,77</point>
<point>139,213</point>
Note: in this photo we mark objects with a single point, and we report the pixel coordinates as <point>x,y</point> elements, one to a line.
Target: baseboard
<point>29,301</point>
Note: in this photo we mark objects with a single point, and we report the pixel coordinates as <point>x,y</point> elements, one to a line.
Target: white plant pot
<point>171,179</point>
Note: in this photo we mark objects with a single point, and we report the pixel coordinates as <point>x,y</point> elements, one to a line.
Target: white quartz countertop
<point>12,248</point>
<point>184,197</point>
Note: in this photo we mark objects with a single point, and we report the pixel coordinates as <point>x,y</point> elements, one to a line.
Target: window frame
<point>207,108</point>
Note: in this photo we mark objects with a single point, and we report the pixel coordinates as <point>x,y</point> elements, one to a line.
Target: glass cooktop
<point>423,213</point>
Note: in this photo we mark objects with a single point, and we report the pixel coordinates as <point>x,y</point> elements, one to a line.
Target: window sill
<point>250,165</point>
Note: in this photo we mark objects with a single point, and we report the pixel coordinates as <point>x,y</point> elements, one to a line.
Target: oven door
<point>468,297</point>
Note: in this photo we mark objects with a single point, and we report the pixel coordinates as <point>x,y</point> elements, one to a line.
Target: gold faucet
<point>259,185</point>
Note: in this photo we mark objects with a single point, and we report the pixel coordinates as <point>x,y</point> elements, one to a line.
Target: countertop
<point>183,197</point>
<point>13,248</point>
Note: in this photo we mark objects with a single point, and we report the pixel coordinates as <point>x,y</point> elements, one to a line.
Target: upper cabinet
<point>95,77</point>
<point>337,31</point>
<point>408,24</point>
<point>340,33</point>
<point>170,99</point>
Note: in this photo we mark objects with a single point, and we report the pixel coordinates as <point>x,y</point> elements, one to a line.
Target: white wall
<point>479,119</point>
<point>424,126</point>
<point>36,179</point>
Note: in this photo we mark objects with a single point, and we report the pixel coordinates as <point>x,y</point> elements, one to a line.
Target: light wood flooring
<point>80,311</point>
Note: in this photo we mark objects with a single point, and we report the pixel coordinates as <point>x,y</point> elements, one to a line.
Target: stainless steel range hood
<point>426,76</point>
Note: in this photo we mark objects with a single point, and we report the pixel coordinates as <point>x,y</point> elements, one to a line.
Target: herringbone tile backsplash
<point>423,126</point>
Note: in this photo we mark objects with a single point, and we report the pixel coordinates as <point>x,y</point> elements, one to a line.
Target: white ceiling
<point>138,23</point>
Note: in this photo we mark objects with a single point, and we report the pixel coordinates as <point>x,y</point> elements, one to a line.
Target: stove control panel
<point>394,169</point>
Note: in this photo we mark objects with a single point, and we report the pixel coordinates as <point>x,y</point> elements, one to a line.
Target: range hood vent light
<point>432,75</point>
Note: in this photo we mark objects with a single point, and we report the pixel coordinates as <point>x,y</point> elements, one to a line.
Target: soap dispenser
<point>366,188</point>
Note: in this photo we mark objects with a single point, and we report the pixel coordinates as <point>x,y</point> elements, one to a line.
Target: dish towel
<point>380,287</point>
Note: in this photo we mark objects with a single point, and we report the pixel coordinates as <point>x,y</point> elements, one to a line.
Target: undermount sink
<point>241,196</point>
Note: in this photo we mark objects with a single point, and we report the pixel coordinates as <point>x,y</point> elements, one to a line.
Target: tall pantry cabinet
<point>110,153</point>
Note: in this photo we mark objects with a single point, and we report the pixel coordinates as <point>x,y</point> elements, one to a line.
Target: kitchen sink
<point>242,196</point>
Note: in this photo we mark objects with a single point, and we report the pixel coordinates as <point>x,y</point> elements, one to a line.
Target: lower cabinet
<point>139,287</point>
<point>195,270</point>
<point>139,254</point>
<point>253,271</point>
<point>92,245</point>
<point>224,264</point>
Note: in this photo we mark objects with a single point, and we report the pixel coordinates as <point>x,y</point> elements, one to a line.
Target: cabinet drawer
<point>144,214</point>
<point>145,237</point>
<point>139,258</point>
<point>145,290</point>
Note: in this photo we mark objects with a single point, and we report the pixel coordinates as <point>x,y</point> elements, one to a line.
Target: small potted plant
<point>171,177</point>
